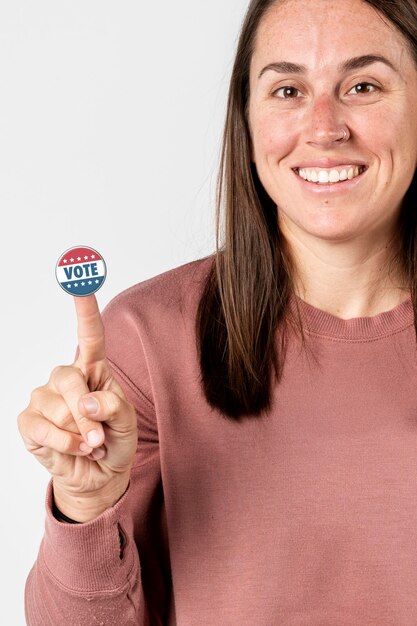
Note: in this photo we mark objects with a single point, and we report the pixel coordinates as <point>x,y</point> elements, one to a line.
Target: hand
<point>81,427</point>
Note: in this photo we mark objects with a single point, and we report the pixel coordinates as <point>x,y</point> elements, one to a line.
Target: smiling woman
<point>235,443</point>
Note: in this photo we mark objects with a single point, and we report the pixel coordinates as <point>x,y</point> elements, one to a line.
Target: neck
<point>347,279</point>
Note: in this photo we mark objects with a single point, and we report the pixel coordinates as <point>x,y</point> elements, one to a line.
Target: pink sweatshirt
<point>305,518</point>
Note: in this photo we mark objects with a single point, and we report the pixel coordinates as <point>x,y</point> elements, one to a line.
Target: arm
<point>81,576</point>
<point>81,573</point>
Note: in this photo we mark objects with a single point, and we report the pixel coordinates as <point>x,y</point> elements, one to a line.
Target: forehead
<point>319,32</point>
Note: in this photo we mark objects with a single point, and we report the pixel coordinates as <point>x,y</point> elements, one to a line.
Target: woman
<point>253,456</point>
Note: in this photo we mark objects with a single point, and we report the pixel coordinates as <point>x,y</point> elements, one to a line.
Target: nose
<point>326,123</point>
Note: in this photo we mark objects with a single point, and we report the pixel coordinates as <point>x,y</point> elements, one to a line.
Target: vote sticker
<point>81,271</point>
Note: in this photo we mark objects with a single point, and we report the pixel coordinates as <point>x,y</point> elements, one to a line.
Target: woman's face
<point>296,116</point>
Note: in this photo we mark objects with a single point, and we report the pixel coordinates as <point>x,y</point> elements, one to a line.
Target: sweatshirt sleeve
<point>81,574</point>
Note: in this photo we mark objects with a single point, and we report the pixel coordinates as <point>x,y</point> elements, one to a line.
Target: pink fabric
<point>307,517</point>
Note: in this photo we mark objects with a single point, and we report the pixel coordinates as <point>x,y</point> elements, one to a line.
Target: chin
<point>325,226</point>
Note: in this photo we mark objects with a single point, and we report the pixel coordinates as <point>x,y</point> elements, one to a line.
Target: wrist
<point>60,516</point>
<point>81,508</point>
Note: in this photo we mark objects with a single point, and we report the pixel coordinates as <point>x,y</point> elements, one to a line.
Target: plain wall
<point>111,116</point>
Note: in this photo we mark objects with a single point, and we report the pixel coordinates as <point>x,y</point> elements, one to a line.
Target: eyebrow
<point>285,67</point>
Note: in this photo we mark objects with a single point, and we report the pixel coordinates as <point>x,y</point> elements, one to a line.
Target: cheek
<point>404,140</point>
<point>391,130</point>
<point>389,136</point>
<point>271,139</point>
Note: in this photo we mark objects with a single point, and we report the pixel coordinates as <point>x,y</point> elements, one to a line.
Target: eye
<point>363,88</point>
<point>287,89</point>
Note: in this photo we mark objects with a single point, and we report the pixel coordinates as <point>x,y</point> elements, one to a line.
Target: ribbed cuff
<point>86,557</point>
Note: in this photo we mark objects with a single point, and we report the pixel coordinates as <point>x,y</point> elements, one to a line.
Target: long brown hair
<point>245,300</point>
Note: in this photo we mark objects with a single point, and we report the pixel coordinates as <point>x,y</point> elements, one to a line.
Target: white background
<point>111,115</point>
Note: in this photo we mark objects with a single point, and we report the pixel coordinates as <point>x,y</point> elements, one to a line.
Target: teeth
<point>324,177</point>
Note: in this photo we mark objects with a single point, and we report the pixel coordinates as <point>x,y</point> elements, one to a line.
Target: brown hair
<point>245,300</point>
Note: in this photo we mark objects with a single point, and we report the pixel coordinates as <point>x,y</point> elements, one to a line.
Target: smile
<point>322,176</point>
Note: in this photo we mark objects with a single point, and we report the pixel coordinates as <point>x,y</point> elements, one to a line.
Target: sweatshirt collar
<point>318,322</point>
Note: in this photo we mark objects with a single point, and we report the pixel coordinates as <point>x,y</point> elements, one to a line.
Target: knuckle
<point>70,380</point>
<point>40,398</point>
<point>36,394</point>
<point>83,422</point>
<point>66,442</point>
<point>22,421</point>
<point>42,433</point>
<point>62,371</point>
<point>57,372</point>
<point>64,418</point>
<point>113,404</point>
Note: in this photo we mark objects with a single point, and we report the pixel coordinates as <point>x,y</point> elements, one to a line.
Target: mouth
<point>330,176</point>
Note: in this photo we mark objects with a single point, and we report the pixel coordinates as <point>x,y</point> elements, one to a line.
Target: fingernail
<point>84,447</point>
<point>93,437</point>
<point>90,405</point>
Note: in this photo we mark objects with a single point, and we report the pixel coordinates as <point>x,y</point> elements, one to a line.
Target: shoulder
<point>150,324</point>
<point>178,289</point>
<point>156,314</point>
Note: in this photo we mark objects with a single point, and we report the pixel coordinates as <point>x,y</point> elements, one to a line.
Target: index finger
<point>90,330</point>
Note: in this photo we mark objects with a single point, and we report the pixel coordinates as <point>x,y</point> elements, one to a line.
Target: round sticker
<point>81,271</point>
